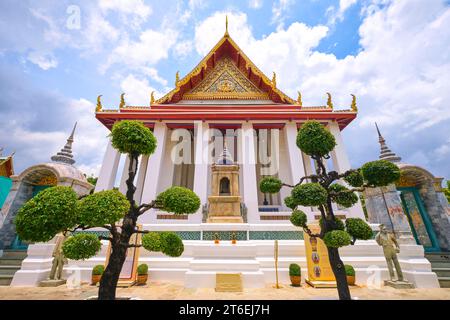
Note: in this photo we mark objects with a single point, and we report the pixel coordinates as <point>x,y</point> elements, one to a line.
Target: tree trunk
<point>339,273</point>
<point>120,240</point>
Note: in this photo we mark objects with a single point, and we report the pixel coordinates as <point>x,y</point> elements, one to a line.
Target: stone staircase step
<point>441,272</point>
<point>232,265</point>
<point>5,280</point>
<point>14,254</point>
<point>444,282</point>
<point>10,262</point>
<point>8,270</point>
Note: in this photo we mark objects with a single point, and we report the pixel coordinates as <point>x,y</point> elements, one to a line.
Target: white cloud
<point>44,60</point>
<point>338,15</point>
<point>136,8</point>
<point>137,91</point>
<point>279,10</point>
<point>255,4</point>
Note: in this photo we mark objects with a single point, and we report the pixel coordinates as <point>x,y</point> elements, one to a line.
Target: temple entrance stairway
<point>440,264</point>
<point>10,263</point>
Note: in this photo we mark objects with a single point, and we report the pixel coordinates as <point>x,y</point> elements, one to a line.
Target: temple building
<point>223,127</point>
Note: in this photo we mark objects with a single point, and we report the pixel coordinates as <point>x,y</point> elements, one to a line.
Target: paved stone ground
<point>172,291</point>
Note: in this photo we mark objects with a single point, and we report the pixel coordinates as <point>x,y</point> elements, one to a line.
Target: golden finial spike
<point>274,80</point>
<point>152,97</point>
<point>354,106</point>
<point>122,101</point>
<point>226,25</point>
<point>299,99</point>
<point>177,78</point>
<point>99,104</point>
<point>329,102</point>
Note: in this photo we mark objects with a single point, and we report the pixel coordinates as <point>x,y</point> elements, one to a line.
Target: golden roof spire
<point>226,26</point>
<point>274,80</point>
<point>329,102</point>
<point>299,99</point>
<point>122,101</point>
<point>99,104</point>
<point>177,78</point>
<point>152,98</point>
<point>354,107</point>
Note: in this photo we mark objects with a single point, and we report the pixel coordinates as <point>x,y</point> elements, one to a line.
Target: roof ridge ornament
<point>354,107</point>
<point>226,26</point>
<point>329,102</point>
<point>122,101</point>
<point>177,78</point>
<point>274,80</point>
<point>152,97</point>
<point>99,104</point>
<point>299,99</point>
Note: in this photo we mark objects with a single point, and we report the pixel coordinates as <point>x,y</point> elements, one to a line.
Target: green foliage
<point>171,244</point>
<point>100,208</point>
<point>270,185</point>
<point>179,200</point>
<point>81,246</point>
<point>354,178</point>
<point>337,239</point>
<point>152,241</point>
<point>314,139</point>
<point>98,270</point>
<point>447,191</point>
<point>358,228</point>
<point>298,218</point>
<point>342,195</point>
<point>295,270</point>
<point>132,137</point>
<point>290,202</point>
<point>50,212</point>
<point>349,270</point>
<point>338,222</point>
<point>309,194</point>
<point>380,173</point>
<point>142,269</point>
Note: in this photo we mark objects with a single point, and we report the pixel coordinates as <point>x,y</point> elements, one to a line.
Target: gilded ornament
<point>299,99</point>
<point>274,80</point>
<point>122,101</point>
<point>152,98</point>
<point>353,106</point>
<point>177,78</point>
<point>99,104</point>
<point>226,26</point>
<point>329,102</point>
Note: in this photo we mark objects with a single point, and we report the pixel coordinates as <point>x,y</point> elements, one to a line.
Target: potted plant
<point>142,272</point>
<point>97,272</point>
<point>295,274</point>
<point>350,273</point>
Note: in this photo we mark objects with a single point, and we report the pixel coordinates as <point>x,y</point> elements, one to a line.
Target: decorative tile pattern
<point>189,235</point>
<point>276,235</point>
<point>225,235</point>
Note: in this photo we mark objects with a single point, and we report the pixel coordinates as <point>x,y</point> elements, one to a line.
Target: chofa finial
<point>274,79</point>
<point>122,101</point>
<point>354,107</point>
<point>299,99</point>
<point>329,102</point>
<point>226,25</point>
<point>177,78</point>
<point>99,104</point>
<point>152,97</point>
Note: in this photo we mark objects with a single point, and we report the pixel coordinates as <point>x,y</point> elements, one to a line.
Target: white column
<point>143,161</point>
<point>296,164</point>
<point>247,158</point>
<point>154,164</point>
<point>124,178</point>
<point>108,171</point>
<point>201,152</point>
<point>341,164</point>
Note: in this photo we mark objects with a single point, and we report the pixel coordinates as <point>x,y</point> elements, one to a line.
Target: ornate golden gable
<point>225,81</point>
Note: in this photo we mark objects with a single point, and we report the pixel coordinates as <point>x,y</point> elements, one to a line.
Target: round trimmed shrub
<point>100,208</point>
<point>133,137</point>
<point>298,218</point>
<point>337,239</point>
<point>152,241</point>
<point>142,269</point>
<point>349,270</point>
<point>380,173</point>
<point>294,270</point>
<point>290,202</point>
<point>50,212</point>
<point>98,270</point>
<point>339,224</point>
<point>314,139</point>
<point>81,246</point>
<point>270,185</point>
<point>309,194</point>
<point>358,228</point>
<point>343,196</point>
<point>179,200</point>
<point>354,178</point>
<point>171,244</point>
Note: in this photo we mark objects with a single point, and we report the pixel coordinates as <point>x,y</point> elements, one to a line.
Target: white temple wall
<point>108,171</point>
<point>284,173</point>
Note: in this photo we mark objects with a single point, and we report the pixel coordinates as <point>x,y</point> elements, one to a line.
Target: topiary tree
<point>322,189</point>
<point>58,209</point>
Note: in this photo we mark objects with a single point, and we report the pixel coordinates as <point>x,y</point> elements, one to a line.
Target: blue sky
<point>57,56</point>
